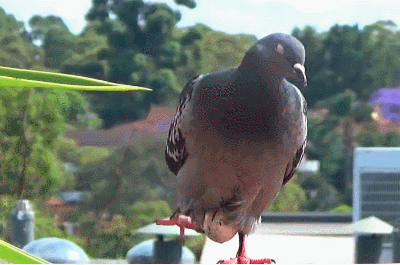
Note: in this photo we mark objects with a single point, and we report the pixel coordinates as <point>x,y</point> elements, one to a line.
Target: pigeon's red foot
<point>182,221</point>
<point>241,256</point>
<point>246,260</point>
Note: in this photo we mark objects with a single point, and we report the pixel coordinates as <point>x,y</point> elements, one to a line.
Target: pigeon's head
<point>278,56</point>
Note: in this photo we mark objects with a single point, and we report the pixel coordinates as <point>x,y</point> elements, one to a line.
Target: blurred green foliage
<point>47,226</point>
<point>144,213</point>
<point>6,204</point>
<point>31,123</point>
<point>348,57</point>
<point>290,199</point>
<point>128,174</point>
<point>342,209</point>
<point>196,244</point>
<point>45,223</point>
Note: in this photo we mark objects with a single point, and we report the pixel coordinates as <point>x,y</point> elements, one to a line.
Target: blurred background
<point>92,163</point>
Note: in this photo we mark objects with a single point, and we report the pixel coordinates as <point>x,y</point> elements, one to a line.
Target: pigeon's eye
<point>260,48</point>
<point>279,49</point>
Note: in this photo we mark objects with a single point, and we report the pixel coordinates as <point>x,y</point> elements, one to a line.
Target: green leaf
<point>15,255</point>
<point>13,77</point>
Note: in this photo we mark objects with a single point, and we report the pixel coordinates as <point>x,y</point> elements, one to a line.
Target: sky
<point>256,17</point>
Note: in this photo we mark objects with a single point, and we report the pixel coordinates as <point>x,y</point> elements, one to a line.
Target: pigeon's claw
<point>182,221</point>
<point>246,260</point>
<point>241,256</point>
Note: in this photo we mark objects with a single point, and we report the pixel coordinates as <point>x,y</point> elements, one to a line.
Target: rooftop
<point>157,121</point>
<point>386,95</point>
<point>314,229</point>
<point>305,217</point>
<point>286,248</point>
<point>389,101</point>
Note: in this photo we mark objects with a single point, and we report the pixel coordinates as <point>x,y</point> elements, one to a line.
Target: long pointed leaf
<point>14,255</point>
<point>17,82</point>
<point>13,77</point>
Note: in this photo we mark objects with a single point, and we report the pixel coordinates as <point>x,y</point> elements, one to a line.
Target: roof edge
<point>306,217</point>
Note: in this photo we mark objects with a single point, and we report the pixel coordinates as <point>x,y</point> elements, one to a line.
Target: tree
<point>391,139</point>
<point>291,198</point>
<point>144,49</point>
<point>336,61</point>
<point>31,122</point>
<point>129,174</point>
<point>41,26</point>
<point>187,3</point>
<point>140,213</point>
<point>221,51</point>
<point>346,57</point>
<point>16,48</point>
<point>333,138</point>
<point>313,44</point>
<point>384,47</point>
<point>84,59</point>
<point>55,38</point>
<point>114,237</point>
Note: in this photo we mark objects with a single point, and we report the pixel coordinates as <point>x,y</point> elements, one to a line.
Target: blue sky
<point>258,17</point>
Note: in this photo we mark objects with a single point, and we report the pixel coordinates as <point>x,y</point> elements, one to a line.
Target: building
<point>157,121</point>
<point>63,206</point>
<point>376,183</point>
<point>376,186</point>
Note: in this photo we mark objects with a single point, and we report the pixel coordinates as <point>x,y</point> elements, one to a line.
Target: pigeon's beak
<point>299,74</point>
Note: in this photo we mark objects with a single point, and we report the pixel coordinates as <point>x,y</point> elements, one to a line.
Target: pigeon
<point>237,137</point>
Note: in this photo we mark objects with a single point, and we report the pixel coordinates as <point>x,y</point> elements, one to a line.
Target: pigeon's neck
<point>255,88</point>
<point>256,76</point>
<point>255,111</point>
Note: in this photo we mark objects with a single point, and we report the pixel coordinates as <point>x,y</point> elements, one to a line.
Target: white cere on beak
<point>279,49</point>
<point>300,67</point>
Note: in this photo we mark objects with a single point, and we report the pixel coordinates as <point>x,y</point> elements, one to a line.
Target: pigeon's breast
<point>258,119</point>
<point>242,120</point>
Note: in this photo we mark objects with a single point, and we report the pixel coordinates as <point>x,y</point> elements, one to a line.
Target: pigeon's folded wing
<point>176,152</point>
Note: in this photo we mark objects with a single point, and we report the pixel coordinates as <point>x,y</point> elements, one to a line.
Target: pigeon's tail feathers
<point>219,229</point>
<point>223,223</point>
<point>216,228</point>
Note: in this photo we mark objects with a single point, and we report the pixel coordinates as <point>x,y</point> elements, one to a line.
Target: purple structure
<point>388,100</point>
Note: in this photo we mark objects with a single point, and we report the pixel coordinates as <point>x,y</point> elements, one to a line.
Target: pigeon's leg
<point>241,256</point>
<point>182,221</point>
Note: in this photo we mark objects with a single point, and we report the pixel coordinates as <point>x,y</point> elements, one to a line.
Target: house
<point>157,121</point>
<point>65,204</point>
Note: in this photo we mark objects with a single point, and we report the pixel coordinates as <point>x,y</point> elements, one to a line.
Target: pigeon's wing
<point>176,152</point>
<point>292,167</point>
